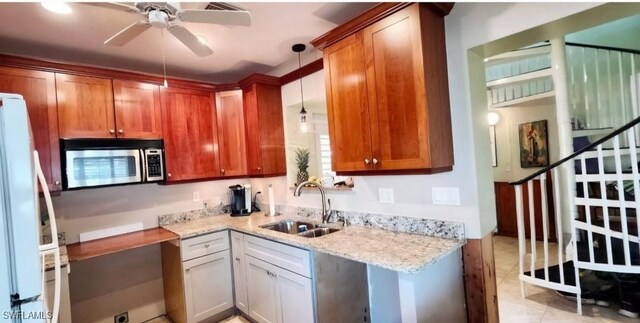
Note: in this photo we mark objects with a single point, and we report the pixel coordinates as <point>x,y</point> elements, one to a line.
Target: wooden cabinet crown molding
<point>80,70</point>
<point>259,78</point>
<point>369,17</point>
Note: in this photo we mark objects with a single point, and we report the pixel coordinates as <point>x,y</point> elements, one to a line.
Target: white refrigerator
<point>22,252</point>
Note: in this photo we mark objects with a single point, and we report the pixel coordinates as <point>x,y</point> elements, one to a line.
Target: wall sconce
<point>493,118</point>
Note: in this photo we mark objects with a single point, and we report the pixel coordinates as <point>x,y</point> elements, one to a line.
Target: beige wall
<point>507,140</point>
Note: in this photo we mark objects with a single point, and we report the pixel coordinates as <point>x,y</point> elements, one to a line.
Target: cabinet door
<point>233,154</point>
<point>207,286</point>
<point>397,102</point>
<point>264,130</point>
<point>347,105</point>
<point>295,297</point>
<point>252,130</point>
<point>261,291</point>
<point>85,107</point>
<point>190,134</point>
<point>137,108</point>
<point>39,92</point>
<point>271,130</point>
<point>239,276</point>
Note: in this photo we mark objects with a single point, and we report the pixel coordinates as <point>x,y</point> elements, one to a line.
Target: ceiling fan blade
<point>122,6</point>
<point>190,40</point>
<point>220,17</point>
<point>127,34</point>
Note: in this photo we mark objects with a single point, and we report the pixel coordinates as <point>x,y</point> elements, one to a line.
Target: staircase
<point>597,229</point>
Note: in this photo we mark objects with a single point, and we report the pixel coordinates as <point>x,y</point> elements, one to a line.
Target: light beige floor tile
<point>541,305</point>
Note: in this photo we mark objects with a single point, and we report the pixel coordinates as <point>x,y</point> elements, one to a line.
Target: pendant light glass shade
<point>304,126</point>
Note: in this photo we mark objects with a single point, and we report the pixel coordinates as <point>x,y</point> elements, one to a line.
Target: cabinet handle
<point>375,161</point>
<point>121,131</point>
<point>112,131</point>
<point>206,245</point>
<point>237,258</point>
<point>222,171</point>
<point>168,174</point>
<point>56,183</point>
<point>259,168</point>
<point>366,161</point>
<point>187,270</point>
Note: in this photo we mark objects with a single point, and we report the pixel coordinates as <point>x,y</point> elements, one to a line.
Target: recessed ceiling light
<point>56,6</point>
<point>202,39</point>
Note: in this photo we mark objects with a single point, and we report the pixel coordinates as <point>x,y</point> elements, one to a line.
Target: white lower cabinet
<point>261,290</point>
<point>239,276</point>
<point>207,286</point>
<point>275,294</point>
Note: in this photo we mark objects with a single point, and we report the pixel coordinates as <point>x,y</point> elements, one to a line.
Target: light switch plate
<point>445,195</point>
<point>385,195</point>
<point>196,196</point>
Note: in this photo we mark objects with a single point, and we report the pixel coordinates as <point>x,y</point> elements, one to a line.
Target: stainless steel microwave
<point>105,162</point>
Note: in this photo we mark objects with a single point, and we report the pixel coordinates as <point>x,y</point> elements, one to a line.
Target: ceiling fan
<point>168,16</point>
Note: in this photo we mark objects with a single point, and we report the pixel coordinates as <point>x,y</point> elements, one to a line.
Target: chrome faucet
<point>326,203</point>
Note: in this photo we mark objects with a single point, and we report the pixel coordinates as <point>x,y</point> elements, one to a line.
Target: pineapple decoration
<point>302,161</point>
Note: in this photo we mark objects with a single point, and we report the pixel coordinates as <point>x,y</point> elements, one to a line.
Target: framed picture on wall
<point>534,151</point>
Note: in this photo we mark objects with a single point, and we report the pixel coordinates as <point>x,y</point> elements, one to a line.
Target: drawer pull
<point>237,258</point>
<point>206,245</point>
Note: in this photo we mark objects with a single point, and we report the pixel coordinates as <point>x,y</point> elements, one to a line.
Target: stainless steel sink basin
<point>290,226</point>
<point>300,228</point>
<point>319,232</point>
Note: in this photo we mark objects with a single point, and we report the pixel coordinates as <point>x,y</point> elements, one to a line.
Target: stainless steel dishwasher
<point>341,290</point>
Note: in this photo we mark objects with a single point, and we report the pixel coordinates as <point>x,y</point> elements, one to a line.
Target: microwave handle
<point>143,165</point>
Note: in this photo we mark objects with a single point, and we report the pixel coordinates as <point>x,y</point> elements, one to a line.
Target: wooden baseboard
<point>480,280</point>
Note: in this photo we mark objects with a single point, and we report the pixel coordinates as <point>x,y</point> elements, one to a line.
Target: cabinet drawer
<point>290,258</point>
<point>204,245</point>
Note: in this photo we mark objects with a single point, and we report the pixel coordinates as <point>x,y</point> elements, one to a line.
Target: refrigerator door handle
<point>50,248</point>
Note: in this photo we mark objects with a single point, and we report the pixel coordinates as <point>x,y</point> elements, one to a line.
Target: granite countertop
<point>402,252</point>
<point>64,259</point>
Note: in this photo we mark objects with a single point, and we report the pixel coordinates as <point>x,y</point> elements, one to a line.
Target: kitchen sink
<point>300,228</point>
<point>319,232</point>
<point>290,226</point>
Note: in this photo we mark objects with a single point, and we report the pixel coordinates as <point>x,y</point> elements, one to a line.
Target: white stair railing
<point>604,229</point>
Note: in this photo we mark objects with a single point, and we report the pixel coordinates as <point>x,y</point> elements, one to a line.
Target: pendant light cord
<point>164,64</point>
<point>302,111</point>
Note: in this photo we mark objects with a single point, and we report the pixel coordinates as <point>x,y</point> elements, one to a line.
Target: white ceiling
<point>27,29</point>
<point>622,33</point>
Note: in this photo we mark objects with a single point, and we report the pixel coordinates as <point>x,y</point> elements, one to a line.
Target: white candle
<point>272,202</point>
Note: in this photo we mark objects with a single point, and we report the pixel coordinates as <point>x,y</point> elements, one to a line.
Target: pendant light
<point>304,127</point>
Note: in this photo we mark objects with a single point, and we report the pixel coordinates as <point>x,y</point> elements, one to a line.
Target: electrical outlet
<point>385,195</point>
<point>121,318</point>
<point>445,195</point>
<point>196,196</point>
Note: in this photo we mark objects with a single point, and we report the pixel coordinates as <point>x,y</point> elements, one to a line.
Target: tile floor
<point>540,305</point>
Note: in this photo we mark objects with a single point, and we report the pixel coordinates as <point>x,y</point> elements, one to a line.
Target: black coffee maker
<point>240,199</point>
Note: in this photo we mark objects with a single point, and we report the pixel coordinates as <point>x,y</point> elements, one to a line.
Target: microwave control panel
<point>154,167</point>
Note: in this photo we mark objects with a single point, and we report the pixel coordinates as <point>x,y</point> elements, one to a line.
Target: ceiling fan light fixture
<point>202,39</point>
<point>58,7</point>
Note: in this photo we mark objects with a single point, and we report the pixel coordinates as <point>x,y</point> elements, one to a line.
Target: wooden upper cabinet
<point>85,107</point>
<point>264,128</point>
<point>404,75</point>
<point>190,134</point>
<point>137,110</point>
<point>346,86</point>
<point>39,92</point>
<point>231,133</point>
